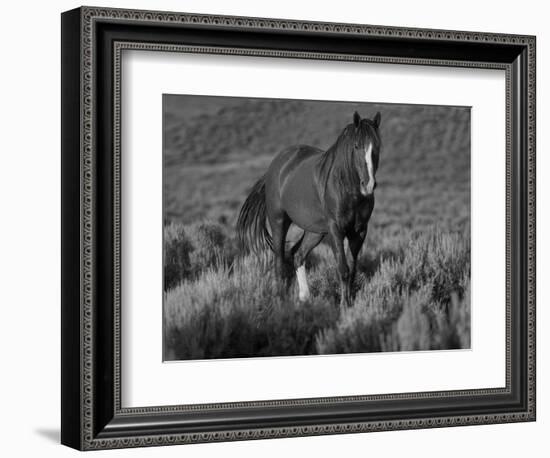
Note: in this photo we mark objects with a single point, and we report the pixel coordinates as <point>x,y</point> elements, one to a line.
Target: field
<point>412,289</point>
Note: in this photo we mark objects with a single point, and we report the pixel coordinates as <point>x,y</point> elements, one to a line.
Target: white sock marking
<point>303,289</point>
<point>368,160</point>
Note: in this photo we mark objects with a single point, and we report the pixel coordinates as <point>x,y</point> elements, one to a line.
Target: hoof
<point>344,305</point>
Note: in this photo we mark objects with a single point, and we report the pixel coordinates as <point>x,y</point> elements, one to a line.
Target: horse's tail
<point>252,229</point>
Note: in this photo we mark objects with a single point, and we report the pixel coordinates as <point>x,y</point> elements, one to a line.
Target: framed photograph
<point>276,228</point>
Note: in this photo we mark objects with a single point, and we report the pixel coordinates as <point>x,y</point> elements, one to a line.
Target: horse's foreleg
<point>355,243</point>
<point>307,243</point>
<point>341,261</point>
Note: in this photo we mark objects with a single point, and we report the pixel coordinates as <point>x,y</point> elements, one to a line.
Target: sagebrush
<point>221,305</point>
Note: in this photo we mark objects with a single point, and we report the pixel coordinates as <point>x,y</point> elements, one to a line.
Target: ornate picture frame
<point>93,416</point>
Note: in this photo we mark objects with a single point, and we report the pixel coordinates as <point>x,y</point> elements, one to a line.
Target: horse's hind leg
<point>304,246</point>
<point>280,222</point>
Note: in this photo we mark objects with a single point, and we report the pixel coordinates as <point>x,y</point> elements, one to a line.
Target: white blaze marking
<point>303,289</point>
<point>368,160</point>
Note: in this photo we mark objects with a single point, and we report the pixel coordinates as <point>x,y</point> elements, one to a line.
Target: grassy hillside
<point>413,282</point>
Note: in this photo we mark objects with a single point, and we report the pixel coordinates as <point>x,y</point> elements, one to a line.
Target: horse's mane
<point>338,161</point>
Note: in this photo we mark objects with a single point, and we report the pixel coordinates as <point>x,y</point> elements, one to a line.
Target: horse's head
<point>366,151</point>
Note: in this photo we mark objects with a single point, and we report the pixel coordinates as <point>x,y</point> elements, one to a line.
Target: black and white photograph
<point>308,227</point>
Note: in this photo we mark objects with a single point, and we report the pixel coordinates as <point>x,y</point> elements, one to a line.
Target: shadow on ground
<point>52,435</point>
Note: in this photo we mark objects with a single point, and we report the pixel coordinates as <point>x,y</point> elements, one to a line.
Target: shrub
<point>453,321</point>
<point>414,297</point>
<point>412,329</point>
<point>190,250</point>
<point>177,247</point>
<point>246,312</point>
<point>416,300</point>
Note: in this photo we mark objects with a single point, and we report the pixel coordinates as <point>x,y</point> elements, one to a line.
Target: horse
<point>327,194</point>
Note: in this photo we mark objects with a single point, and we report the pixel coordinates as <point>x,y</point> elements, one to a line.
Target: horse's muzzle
<point>369,188</point>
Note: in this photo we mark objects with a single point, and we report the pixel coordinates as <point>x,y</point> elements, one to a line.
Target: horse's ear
<point>356,119</point>
<point>376,120</point>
